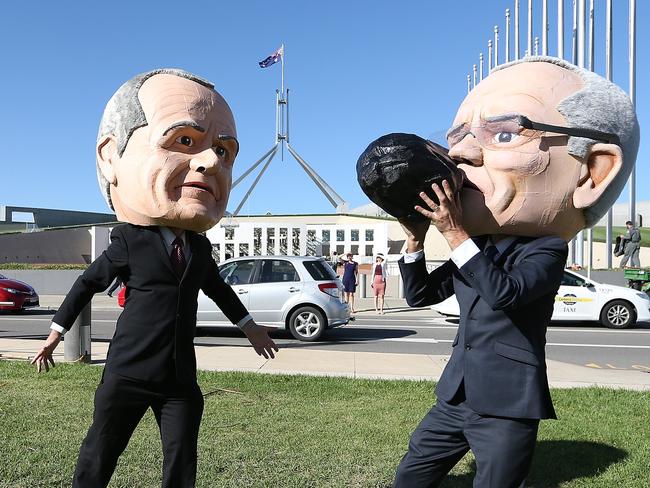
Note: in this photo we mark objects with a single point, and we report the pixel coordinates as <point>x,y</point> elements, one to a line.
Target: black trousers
<point>503,447</point>
<point>120,403</point>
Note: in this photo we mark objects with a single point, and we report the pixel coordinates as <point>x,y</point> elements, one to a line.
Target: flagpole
<point>282,57</point>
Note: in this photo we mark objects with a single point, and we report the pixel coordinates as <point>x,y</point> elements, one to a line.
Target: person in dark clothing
<point>169,140</point>
<point>116,284</point>
<point>632,246</point>
<point>536,172</point>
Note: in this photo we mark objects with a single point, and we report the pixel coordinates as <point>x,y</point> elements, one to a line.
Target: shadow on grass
<point>557,462</point>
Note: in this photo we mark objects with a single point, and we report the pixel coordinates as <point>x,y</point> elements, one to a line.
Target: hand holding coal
<point>395,168</point>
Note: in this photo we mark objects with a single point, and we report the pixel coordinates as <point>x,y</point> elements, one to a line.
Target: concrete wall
<point>599,257</point>
<point>45,282</point>
<point>61,246</point>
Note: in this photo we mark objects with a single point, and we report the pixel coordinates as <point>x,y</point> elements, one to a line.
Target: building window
<point>354,249</point>
<point>295,242</point>
<point>369,249</point>
<point>326,236</point>
<point>340,235</point>
<point>354,235</point>
<point>216,254</point>
<point>311,242</point>
<point>257,241</point>
<point>230,251</point>
<point>270,241</point>
<point>340,249</point>
<point>370,235</point>
<point>243,249</point>
<point>230,233</point>
<point>283,241</point>
<point>325,249</point>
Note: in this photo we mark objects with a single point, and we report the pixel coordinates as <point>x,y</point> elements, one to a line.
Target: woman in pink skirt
<point>378,275</point>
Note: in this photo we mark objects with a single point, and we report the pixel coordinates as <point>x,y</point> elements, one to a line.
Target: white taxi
<point>579,298</point>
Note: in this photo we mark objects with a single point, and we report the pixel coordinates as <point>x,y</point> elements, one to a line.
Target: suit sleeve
<point>222,294</point>
<point>538,273</point>
<point>422,288</point>
<point>99,275</point>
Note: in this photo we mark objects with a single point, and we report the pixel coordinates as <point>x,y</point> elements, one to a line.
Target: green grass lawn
<point>288,431</point>
<point>599,234</point>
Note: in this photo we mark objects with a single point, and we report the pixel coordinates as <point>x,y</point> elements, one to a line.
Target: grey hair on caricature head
<point>599,105</point>
<point>123,115</point>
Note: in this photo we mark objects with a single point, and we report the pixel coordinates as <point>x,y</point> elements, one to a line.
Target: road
<point>404,331</point>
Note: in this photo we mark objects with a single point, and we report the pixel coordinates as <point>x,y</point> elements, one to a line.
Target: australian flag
<point>273,58</point>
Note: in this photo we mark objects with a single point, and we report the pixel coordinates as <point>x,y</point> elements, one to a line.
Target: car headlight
<point>10,290</point>
<point>644,296</point>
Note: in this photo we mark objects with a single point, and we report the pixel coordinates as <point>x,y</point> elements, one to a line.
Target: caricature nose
<point>204,162</point>
<point>468,149</point>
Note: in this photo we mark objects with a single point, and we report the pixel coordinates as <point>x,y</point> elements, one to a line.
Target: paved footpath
<point>311,361</point>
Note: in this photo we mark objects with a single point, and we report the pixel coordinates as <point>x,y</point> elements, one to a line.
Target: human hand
<point>43,358</point>
<point>258,336</point>
<point>447,216</point>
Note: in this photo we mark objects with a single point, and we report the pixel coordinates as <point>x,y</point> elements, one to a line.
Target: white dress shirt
<point>168,237</point>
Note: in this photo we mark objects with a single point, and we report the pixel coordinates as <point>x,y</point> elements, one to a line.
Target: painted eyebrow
<point>499,118</point>
<point>496,118</point>
<point>453,129</point>
<point>225,137</point>
<point>184,123</point>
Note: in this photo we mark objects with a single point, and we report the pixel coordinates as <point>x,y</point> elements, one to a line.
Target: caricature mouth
<point>200,186</point>
<point>467,183</point>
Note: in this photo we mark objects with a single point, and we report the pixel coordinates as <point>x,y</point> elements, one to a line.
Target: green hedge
<point>599,234</point>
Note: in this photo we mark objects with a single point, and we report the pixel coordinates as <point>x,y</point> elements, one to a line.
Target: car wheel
<point>618,314</point>
<point>307,324</point>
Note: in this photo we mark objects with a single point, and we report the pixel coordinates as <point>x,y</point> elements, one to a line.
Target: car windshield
<point>237,272</point>
<point>320,270</point>
<point>571,280</point>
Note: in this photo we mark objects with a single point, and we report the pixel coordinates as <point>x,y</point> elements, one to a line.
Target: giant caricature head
<point>165,150</point>
<point>533,180</point>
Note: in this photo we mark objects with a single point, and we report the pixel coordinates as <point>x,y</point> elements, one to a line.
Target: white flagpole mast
<point>282,58</point>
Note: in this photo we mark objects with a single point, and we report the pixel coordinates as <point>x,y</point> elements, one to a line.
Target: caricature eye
<point>505,137</point>
<point>185,141</point>
<point>220,151</point>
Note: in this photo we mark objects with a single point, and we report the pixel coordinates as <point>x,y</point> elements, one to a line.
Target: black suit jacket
<point>505,307</point>
<point>154,336</point>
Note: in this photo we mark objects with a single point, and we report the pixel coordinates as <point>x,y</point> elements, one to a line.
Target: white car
<point>580,298</point>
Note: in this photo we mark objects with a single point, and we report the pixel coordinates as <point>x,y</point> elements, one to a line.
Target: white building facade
<point>300,235</point>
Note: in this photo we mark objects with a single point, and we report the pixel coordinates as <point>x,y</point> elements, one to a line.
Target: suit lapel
<point>482,242</point>
<point>472,295</point>
<point>191,243</point>
<point>161,248</point>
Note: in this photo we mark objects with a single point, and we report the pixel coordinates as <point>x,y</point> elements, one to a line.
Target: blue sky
<point>356,70</point>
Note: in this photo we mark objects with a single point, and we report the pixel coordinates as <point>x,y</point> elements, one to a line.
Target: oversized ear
<point>107,157</point>
<point>604,161</point>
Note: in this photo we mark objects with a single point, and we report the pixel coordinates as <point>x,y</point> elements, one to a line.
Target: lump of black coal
<point>395,168</point>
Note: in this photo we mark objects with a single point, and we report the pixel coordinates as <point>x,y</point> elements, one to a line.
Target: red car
<point>16,295</point>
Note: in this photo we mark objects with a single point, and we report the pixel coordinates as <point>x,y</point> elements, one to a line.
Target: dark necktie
<point>178,257</point>
<point>492,252</point>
